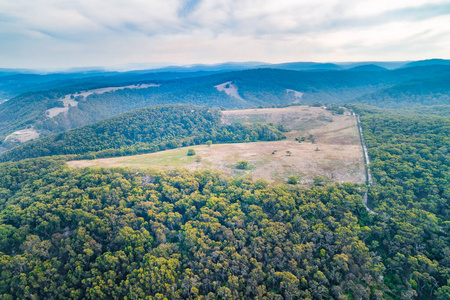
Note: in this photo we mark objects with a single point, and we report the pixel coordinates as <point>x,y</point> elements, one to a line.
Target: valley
<point>103,95</point>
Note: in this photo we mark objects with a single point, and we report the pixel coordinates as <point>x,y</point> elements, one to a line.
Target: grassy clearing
<point>336,154</point>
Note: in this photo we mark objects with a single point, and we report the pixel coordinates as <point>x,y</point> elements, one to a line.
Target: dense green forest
<point>145,130</point>
<point>410,163</point>
<point>115,234</point>
<point>126,234</point>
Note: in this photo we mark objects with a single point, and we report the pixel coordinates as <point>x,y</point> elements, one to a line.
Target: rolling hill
<point>142,131</point>
<point>415,85</point>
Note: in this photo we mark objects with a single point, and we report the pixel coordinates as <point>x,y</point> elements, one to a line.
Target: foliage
<point>103,234</point>
<point>410,165</point>
<point>242,165</point>
<point>425,85</point>
<point>292,180</point>
<point>336,109</point>
<point>300,139</point>
<point>191,152</point>
<point>116,233</point>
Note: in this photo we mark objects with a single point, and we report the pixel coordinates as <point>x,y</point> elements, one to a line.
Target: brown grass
<point>336,155</point>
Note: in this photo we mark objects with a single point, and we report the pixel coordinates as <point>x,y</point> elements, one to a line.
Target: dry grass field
<point>336,154</point>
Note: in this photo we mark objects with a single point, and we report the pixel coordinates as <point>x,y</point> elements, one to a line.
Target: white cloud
<point>56,33</point>
<point>376,7</point>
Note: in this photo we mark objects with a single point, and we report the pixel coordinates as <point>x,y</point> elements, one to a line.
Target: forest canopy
<point>120,233</point>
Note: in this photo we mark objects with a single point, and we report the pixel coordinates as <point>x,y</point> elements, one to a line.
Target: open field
<point>336,154</point>
<point>335,162</point>
<point>303,120</point>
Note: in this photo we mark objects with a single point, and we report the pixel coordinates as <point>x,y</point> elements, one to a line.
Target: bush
<point>320,181</point>
<point>191,152</point>
<point>292,180</point>
<point>242,165</point>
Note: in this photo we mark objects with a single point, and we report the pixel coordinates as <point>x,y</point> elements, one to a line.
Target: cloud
<point>55,33</point>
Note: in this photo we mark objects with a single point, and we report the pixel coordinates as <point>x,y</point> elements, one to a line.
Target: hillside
<point>425,85</point>
<point>142,131</point>
<point>429,92</point>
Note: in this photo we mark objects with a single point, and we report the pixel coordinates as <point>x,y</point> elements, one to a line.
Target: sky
<point>125,33</point>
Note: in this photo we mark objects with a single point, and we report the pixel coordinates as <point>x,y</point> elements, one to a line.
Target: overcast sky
<point>78,33</point>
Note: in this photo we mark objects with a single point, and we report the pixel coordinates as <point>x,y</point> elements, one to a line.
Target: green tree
<point>242,165</point>
<point>292,180</point>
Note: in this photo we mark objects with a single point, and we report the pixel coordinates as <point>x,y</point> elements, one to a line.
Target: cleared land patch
<point>23,135</point>
<point>335,155</point>
<point>230,89</point>
<point>70,100</point>
<point>297,95</point>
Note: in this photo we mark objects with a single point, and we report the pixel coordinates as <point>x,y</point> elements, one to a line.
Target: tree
<point>191,152</point>
<point>292,180</point>
<point>340,111</point>
<point>319,180</point>
<point>242,165</point>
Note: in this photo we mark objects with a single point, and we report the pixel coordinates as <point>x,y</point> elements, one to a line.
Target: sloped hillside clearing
<point>335,155</point>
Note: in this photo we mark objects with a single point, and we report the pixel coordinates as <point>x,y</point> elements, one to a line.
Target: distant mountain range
<point>16,81</point>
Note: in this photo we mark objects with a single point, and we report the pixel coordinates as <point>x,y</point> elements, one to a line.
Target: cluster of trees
<point>410,165</point>
<point>336,109</point>
<point>119,234</point>
<point>145,130</point>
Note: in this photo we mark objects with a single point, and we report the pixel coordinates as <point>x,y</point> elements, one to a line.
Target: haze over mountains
<point>16,81</point>
<point>16,77</point>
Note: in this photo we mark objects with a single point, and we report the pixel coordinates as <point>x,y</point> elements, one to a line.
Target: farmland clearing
<point>335,155</point>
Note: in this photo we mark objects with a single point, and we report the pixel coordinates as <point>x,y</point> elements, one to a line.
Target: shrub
<point>292,180</point>
<point>242,165</point>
